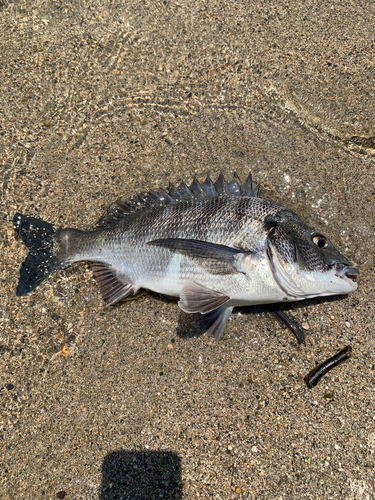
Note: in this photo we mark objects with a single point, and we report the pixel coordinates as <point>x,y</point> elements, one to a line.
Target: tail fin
<point>38,236</point>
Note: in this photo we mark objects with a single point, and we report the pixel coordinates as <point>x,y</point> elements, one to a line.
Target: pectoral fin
<point>228,260</point>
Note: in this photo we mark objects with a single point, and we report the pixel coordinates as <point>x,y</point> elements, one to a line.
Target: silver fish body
<point>214,246</point>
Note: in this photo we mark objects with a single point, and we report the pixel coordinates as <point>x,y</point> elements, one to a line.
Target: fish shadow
<point>189,327</point>
<point>145,475</point>
<point>289,306</point>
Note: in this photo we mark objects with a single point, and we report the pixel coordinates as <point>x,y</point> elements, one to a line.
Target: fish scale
<point>215,246</point>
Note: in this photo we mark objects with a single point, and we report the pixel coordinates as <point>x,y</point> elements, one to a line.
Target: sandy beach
<point>100,99</point>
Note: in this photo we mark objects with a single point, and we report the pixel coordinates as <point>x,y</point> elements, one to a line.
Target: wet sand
<point>102,99</point>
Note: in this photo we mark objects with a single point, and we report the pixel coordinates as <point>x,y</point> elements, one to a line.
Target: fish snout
<point>347,273</point>
<point>351,272</point>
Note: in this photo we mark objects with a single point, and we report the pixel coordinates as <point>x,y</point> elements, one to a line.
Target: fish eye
<point>320,241</point>
<point>272,231</point>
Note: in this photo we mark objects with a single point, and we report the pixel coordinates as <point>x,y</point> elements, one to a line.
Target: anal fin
<point>113,285</point>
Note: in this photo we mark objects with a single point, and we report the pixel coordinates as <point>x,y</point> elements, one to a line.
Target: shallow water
<point>104,99</point>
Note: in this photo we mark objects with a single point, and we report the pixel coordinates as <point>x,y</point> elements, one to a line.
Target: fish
<point>213,245</point>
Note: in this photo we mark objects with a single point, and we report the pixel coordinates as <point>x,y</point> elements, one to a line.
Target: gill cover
<point>280,274</point>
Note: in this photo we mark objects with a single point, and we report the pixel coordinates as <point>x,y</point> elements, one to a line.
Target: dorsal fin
<point>130,205</point>
<point>174,193</point>
<point>247,187</point>
<point>209,188</point>
<point>234,186</point>
<point>185,191</point>
<point>221,185</point>
<point>197,190</point>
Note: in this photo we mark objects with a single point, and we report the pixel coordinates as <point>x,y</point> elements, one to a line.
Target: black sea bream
<point>215,246</point>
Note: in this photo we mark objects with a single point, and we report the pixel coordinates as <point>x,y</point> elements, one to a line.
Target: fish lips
<point>347,273</point>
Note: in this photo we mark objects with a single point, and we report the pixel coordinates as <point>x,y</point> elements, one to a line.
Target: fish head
<point>303,262</point>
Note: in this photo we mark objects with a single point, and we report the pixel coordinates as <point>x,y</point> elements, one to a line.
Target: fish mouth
<point>348,273</point>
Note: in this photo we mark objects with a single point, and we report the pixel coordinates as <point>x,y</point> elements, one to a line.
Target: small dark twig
<point>313,377</point>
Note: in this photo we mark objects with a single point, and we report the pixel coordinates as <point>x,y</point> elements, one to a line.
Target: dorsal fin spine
<point>185,191</point>
<point>174,193</point>
<point>196,189</point>
<point>247,186</point>
<point>209,188</point>
<point>125,207</point>
<point>221,185</point>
